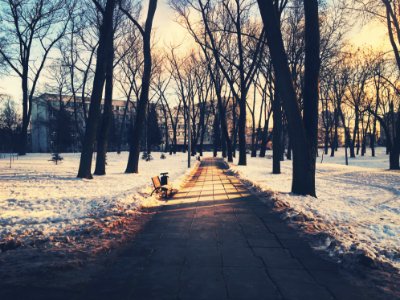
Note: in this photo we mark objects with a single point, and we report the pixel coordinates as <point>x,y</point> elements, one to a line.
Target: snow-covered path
<point>39,197</point>
<point>359,205</point>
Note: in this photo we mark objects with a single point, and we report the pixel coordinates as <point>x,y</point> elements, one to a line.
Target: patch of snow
<point>37,196</point>
<point>359,204</point>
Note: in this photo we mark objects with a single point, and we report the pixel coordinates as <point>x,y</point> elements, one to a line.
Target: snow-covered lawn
<point>359,204</point>
<point>37,196</point>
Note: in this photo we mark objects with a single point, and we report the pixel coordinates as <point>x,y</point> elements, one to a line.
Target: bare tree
<point>161,82</point>
<point>129,76</point>
<point>267,92</point>
<point>359,72</point>
<point>204,87</point>
<point>388,12</point>
<point>77,51</point>
<point>28,25</point>
<point>103,52</point>
<point>134,151</point>
<point>106,120</point>
<point>237,56</point>
<point>302,130</point>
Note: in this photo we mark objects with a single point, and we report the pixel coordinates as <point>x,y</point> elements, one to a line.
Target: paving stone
<point>340,286</point>
<point>156,282</point>
<point>205,256</point>
<point>277,258</point>
<point>264,243</point>
<point>298,284</point>
<point>202,283</point>
<point>168,256</point>
<point>239,257</point>
<point>250,283</point>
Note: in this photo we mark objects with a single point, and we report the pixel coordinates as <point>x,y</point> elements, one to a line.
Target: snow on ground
<point>359,204</point>
<point>38,196</point>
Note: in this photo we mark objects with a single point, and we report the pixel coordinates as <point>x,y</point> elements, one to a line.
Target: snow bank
<point>358,205</point>
<point>39,197</point>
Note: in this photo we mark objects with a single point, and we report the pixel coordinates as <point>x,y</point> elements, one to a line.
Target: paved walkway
<point>217,241</point>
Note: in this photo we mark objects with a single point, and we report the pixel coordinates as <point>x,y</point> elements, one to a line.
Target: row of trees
<point>359,95</point>
<point>291,68</point>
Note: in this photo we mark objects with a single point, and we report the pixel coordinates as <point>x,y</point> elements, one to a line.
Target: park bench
<point>165,190</point>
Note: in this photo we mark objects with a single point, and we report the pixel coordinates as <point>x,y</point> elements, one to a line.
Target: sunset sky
<point>168,32</point>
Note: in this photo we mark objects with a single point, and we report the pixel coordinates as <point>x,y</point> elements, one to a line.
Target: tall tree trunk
<point>311,90</point>
<point>373,138</point>
<point>348,141</point>
<point>334,143</point>
<point>264,139</point>
<point>303,132</point>
<point>223,147</point>
<point>353,140</point>
<point>394,159</point>
<point>234,128</point>
<point>106,30</point>
<point>277,135</point>
<point>392,142</point>
<point>283,136</point>
<point>134,151</point>
<point>194,136</point>
<point>224,129</point>
<point>395,151</point>
<point>147,130</point>
<point>358,141</point>
<point>326,142</point>
<point>23,140</point>
<point>185,133</point>
<point>174,141</point>
<point>242,131</point>
<point>253,140</point>
<point>216,135</point>
<point>289,150</point>
<point>104,132</point>
<point>202,126</point>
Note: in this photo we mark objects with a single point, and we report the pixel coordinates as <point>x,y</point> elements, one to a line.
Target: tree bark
<point>277,135</point>
<point>242,132</point>
<point>395,151</point>
<point>134,151</point>
<point>264,140</point>
<point>303,132</point>
<point>335,141</point>
<point>106,29</point>
<point>104,132</point>
<point>25,118</point>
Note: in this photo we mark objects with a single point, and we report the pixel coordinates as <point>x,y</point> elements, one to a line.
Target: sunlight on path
<point>215,240</point>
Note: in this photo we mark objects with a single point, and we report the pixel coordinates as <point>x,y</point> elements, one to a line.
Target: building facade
<point>45,124</point>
